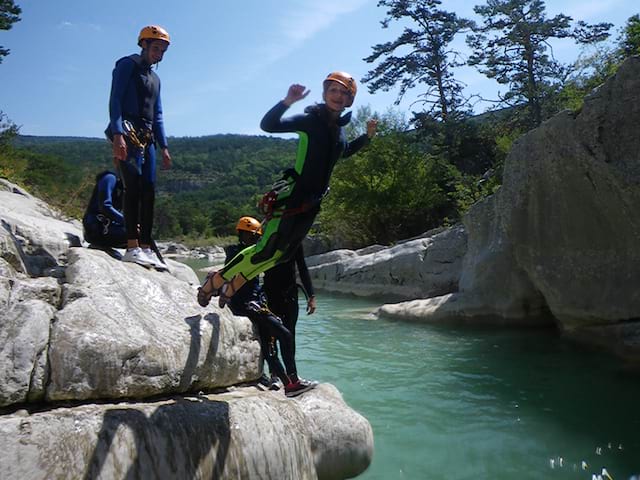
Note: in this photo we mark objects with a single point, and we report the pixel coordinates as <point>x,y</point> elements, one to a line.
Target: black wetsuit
<point>281,288</point>
<point>135,97</point>
<point>249,301</point>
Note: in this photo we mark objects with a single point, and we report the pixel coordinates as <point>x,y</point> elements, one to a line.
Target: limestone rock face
<point>418,268</point>
<point>80,331</point>
<point>559,242</point>
<point>567,218</point>
<point>242,434</point>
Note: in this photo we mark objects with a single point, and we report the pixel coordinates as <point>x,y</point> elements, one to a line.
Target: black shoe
<point>296,388</point>
<point>276,384</point>
<point>265,381</point>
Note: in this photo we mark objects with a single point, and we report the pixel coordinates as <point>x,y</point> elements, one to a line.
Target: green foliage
<point>389,191</point>
<point>9,14</point>
<point>11,166</point>
<point>630,37</point>
<point>214,180</point>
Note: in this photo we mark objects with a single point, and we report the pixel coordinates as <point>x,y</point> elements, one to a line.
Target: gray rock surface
<point>242,434</point>
<point>559,242</point>
<point>80,331</point>
<point>418,268</point>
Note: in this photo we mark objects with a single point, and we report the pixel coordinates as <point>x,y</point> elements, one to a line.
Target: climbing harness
<point>105,221</point>
<point>140,138</point>
<point>271,202</point>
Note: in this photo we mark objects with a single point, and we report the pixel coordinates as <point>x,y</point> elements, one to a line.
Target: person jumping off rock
<point>295,201</point>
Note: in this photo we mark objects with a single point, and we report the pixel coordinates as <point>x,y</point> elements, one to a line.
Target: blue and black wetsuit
<point>103,221</point>
<point>249,301</point>
<point>281,288</point>
<point>135,97</point>
<point>321,143</point>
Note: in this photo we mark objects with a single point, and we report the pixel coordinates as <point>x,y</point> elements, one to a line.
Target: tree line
<point>419,173</point>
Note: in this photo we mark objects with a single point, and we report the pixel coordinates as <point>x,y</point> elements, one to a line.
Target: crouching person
<point>103,222</point>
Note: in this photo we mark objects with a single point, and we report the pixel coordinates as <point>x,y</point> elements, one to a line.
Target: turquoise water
<point>448,403</point>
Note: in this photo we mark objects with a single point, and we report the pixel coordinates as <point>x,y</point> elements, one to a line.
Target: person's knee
<point>268,251</point>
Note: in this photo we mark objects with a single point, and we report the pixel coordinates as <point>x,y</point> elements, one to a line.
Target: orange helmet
<point>153,32</point>
<point>345,80</point>
<point>249,224</point>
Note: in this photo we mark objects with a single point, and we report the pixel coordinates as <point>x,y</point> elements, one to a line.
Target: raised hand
<point>372,128</point>
<point>296,92</point>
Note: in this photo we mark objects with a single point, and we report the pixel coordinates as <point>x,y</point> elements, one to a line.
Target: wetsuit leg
<point>269,350</point>
<point>147,195</point>
<point>284,304</point>
<point>290,318</point>
<point>271,325</point>
<point>131,184</point>
<point>281,238</point>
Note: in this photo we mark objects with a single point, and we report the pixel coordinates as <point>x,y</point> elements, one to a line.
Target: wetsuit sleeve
<point>121,76</point>
<point>354,146</point>
<point>273,122</point>
<point>158,122</point>
<point>303,270</point>
<point>106,187</point>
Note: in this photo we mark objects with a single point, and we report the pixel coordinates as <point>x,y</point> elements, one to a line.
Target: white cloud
<point>76,26</point>
<point>301,22</point>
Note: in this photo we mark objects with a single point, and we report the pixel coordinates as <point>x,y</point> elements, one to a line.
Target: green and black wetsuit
<point>321,143</point>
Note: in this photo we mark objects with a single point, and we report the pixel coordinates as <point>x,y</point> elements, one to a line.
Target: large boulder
<point>81,330</point>
<point>417,268</point>
<point>242,434</point>
<point>558,243</point>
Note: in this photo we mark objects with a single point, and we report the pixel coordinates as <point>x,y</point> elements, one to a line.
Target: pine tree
<point>512,47</point>
<point>421,55</point>
<point>9,14</point>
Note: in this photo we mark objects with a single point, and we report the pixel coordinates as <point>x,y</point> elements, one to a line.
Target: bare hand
<point>372,128</point>
<point>296,92</point>
<point>311,305</point>
<point>166,159</point>
<point>119,147</point>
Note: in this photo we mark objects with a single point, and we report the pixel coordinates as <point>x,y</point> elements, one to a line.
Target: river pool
<point>466,403</point>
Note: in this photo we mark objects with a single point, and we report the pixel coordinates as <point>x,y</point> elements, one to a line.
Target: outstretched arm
<point>363,140</point>
<point>273,122</point>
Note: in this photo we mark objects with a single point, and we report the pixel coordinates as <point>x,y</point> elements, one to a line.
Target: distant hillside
<point>207,171</point>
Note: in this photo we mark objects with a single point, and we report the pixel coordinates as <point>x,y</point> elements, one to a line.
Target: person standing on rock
<point>135,126</point>
<point>293,204</point>
<point>250,302</point>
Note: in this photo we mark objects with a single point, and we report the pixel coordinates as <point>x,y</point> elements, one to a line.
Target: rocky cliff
<point>558,244</point>
<point>109,370</point>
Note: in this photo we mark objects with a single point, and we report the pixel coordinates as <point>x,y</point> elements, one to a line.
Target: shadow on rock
<point>185,439</point>
<point>191,365</point>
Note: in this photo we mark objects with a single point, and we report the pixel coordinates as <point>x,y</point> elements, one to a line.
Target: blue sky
<point>228,63</point>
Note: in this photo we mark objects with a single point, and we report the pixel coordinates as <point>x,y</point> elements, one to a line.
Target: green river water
<point>464,403</point>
